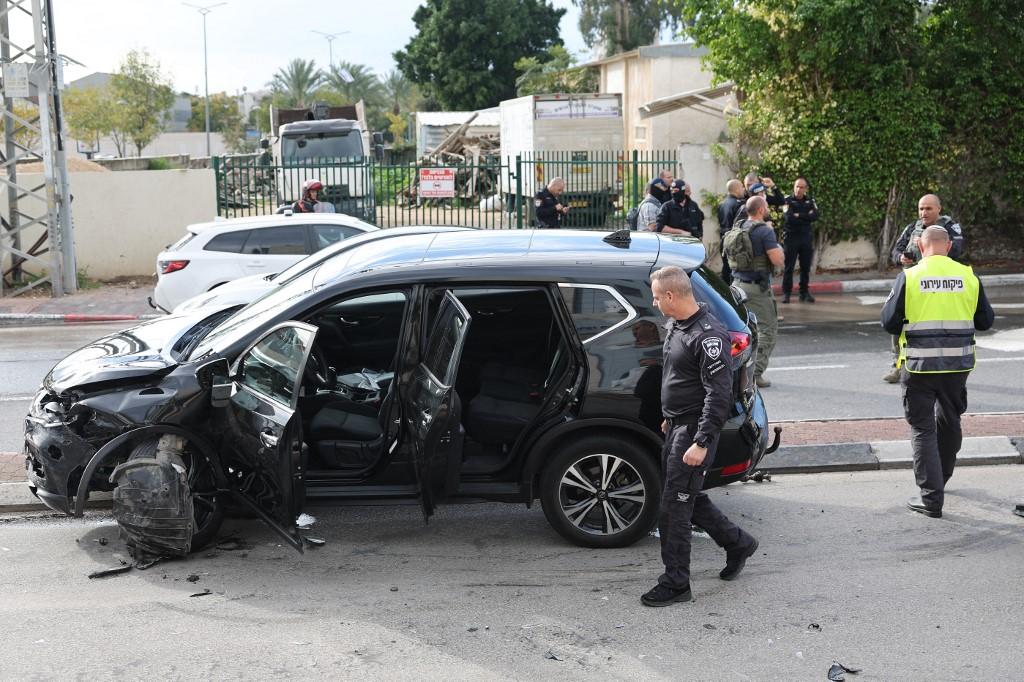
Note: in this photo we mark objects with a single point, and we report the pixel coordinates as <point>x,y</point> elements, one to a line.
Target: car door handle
<point>268,438</point>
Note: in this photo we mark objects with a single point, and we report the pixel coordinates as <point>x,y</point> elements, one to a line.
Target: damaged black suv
<point>503,365</point>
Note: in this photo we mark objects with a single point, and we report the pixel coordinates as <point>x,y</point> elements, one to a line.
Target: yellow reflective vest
<point>941,297</point>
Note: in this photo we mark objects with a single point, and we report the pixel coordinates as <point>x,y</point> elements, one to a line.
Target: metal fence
<point>491,192</point>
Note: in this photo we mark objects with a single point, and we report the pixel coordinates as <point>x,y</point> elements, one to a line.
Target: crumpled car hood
<point>132,353</point>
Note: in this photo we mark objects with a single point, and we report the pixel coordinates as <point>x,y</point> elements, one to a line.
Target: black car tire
<point>567,502</point>
<point>208,506</point>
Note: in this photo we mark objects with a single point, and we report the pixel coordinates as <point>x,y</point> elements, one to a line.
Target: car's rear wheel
<point>601,492</point>
<point>207,504</point>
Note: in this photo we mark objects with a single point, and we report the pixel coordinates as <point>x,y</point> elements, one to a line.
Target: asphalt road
<point>488,591</point>
<point>827,364</point>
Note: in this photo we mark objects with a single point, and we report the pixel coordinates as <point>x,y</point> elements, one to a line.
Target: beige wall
<point>123,220</point>
<point>642,79</point>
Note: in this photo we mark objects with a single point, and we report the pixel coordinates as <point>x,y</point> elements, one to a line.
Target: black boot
<point>785,297</point>
<point>662,595</point>
<point>806,296</point>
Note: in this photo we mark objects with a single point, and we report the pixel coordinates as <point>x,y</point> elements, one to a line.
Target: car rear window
<point>277,241</point>
<point>595,309</point>
<point>325,235</point>
<point>229,242</point>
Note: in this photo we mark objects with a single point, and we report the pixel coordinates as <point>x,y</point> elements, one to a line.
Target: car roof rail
<point>619,238</point>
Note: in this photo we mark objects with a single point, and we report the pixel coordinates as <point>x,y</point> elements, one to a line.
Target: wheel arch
<point>129,439</point>
<point>601,426</point>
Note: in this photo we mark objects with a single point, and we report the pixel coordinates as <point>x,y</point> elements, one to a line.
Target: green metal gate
<point>492,193</point>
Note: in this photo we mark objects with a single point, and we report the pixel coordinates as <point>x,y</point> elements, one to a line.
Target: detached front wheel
<point>601,492</point>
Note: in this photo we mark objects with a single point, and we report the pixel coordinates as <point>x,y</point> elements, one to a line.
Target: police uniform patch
<point>712,347</point>
<point>956,228</point>
<point>537,202</point>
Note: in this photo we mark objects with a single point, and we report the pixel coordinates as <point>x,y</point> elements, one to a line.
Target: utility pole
<point>330,45</point>
<point>204,10</point>
<point>34,130</point>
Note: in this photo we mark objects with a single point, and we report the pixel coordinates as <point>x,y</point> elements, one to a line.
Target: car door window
<point>277,241</point>
<point>229,242</point>
<point>596,309</point>
<point>273,367</point>
<point>444,343</point>
<point>325,235</point>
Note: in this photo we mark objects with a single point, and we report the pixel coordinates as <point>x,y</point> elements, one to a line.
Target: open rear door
<point>263,432</point>
<point>429,403</point>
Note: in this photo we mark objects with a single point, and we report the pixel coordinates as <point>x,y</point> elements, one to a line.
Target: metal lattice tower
<point>36,239</point>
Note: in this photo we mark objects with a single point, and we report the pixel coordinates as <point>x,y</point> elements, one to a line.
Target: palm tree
<point>401,93</point>
<point>363,85</point>
<point>297,82</point>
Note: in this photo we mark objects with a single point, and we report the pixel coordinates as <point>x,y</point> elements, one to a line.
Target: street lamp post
<point>204,10</point>
<point>330,44</point>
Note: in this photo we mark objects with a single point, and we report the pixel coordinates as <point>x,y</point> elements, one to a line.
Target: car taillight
<point>169,266</point>
<point>738,343</point>
<point>734,469</point>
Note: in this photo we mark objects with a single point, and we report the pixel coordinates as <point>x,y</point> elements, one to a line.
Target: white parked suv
<point>220,251</point>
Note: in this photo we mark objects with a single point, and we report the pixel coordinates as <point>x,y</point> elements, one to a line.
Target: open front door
<point>430,403</point>
<point>263,432</point>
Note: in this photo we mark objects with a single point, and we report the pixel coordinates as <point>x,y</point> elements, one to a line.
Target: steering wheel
<point>316,372</point>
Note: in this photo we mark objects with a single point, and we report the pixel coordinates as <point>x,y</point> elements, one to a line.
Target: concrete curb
<point>878,455</point>
<point>884,285</point>
<point>25,319</point>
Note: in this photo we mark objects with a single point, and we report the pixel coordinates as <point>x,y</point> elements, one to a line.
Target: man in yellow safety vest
<point>935,307</point>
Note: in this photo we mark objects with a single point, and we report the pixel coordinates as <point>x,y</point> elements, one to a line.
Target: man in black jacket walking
<point>727,212</point>
<point>798,231</point>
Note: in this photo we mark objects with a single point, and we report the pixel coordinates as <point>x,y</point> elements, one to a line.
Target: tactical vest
<point>940,301</point>
<point>918,230</point>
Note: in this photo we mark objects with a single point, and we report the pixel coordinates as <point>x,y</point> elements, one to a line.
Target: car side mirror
<point>215,378</point>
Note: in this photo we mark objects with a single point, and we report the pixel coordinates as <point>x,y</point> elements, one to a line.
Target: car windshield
<point>322,255</point>
<point>322,146</point>
<point>255,315</point>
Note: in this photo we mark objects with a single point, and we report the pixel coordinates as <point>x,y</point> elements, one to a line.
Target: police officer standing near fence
<point>696,395</point>
<point>548,207</point>
<point>935,307</point>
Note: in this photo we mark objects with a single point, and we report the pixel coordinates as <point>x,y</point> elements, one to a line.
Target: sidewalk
<point>115,302</point>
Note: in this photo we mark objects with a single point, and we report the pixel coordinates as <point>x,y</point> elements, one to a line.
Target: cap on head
<point>312,184</point>
<point>657,184</point>
<point>678,184</point>
<point>757,187</point>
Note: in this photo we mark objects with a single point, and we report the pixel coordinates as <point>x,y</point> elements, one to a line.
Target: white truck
<point>331,144</point>
<point>579,137</point>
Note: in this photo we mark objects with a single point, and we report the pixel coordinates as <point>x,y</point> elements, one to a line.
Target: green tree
<point>363,84</point>
<point>224,113</point>
<point>93,113</point>
<point>976,72</point>
<point>145,95</point>
<point>400,93</point>
<point>621,25</point>
<point>829,89</point>
<point>296,83</point>
<point>464,52</point>
<point>556,72</point>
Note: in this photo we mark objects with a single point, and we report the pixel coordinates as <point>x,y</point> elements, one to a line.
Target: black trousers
<point>683,501</point>
<point>797,246</point>
<point>933,404</point>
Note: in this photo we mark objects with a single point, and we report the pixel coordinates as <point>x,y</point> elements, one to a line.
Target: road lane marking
<point>872,300</point>
<point>1008,305</point>
<point>13,398</point>
<point>791,369</point>
<point>1015,359</point>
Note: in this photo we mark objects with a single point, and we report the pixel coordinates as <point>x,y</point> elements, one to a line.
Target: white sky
<point>248,40</point>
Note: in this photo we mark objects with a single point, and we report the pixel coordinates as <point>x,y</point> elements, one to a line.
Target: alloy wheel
<point>602,494</point>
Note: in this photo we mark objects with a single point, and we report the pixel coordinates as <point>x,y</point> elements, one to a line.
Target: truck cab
<point>333,150</point>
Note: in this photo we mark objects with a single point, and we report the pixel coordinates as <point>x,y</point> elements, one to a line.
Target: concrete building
<point>661,75</point>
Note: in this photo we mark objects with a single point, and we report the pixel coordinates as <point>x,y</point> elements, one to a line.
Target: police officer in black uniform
<point>680,214</point>
<point>696,395</point>
<point>548,207</point>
